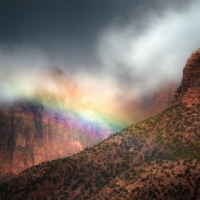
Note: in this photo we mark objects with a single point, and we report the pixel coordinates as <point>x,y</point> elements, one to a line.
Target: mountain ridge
<point>87,174</point>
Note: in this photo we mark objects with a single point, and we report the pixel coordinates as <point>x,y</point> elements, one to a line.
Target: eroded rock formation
<point>188,92</point>
<point>30,134</point>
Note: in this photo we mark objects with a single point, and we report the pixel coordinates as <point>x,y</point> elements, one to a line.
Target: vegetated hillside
<point>157,158</point>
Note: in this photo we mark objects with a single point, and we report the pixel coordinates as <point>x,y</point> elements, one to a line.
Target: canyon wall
<point>30,134</point>
<point>161,99</point>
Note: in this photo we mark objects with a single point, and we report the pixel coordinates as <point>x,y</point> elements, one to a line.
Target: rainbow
<point>86,103</point>
<point>84,115</point>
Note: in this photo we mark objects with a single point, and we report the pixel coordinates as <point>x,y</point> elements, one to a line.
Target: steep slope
<point>148,159</point>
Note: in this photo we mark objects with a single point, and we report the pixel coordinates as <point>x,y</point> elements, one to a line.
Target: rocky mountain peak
<point>188,93</point>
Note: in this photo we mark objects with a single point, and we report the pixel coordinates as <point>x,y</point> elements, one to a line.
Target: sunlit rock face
<point>31,134</point>
<point>50,115</point>
<point>188,92</point>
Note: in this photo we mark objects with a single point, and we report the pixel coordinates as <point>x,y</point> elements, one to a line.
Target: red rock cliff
<point>188,92</point>
<point>29,135</point>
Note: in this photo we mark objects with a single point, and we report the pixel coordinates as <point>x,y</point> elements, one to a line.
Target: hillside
<point>155,158</point>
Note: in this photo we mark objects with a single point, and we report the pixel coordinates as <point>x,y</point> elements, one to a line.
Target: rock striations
<point>30,134</point>
<point>188,92</point>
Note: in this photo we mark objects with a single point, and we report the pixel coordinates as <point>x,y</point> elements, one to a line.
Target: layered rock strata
<point>30,134</point>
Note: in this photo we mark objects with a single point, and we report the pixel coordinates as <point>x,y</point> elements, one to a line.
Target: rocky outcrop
<point>161,99</point>
<point>188,92</point>
<point>31,134</point>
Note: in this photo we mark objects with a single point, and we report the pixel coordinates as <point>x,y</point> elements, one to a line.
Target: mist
<point>109,67</point>
<point>141,61</point>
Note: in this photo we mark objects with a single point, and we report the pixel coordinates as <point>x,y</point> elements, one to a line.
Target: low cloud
<point>141,60</point>
<point>130,60</point>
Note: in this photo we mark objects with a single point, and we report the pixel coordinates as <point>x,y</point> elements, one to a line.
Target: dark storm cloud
<point>134,44</point>
<point>69,29</point>
<point>151,48</point>
<point>50,19</point>
<point>60,28</point>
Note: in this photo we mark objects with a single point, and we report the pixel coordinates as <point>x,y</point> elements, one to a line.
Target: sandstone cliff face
<point>188,92</point>
<point>161,99</point>
<point>30,134</point>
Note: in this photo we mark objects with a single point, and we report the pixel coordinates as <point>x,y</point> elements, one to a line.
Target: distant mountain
<point>157,158</point>
<point>34,130</point>
<point>31,134</point>
<point>161,99</point>
<point>43,128</point>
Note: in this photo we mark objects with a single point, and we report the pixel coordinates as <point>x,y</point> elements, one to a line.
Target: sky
<point>121,50</point>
